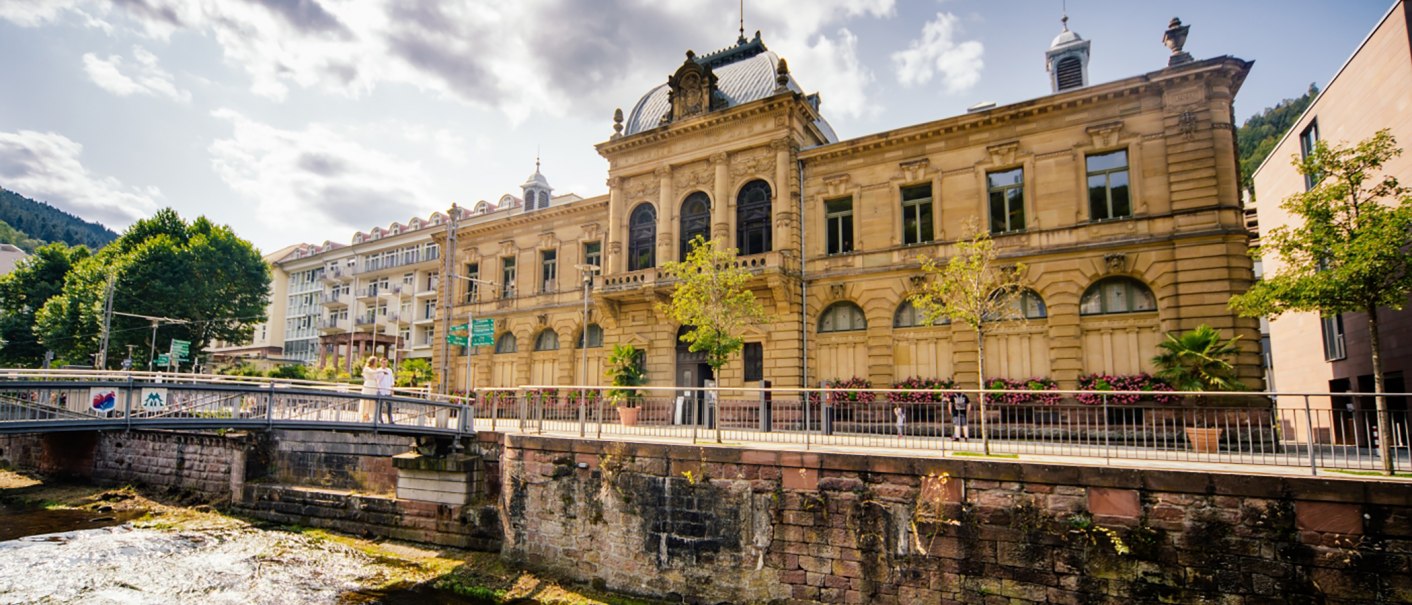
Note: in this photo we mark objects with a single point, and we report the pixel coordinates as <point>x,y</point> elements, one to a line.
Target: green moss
<point>981,455</point>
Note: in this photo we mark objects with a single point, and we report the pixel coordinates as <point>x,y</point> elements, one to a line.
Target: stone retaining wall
<point>710,524</point>
<point>211,466</point>
<point>475,527</point>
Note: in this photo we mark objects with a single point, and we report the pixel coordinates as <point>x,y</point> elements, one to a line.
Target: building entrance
<point>692,374</point>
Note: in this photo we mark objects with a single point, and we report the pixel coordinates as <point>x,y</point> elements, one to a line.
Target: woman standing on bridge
<point>366,407</point>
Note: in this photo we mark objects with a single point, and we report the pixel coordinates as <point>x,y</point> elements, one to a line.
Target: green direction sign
<point>163,360</point>
<point>181,349</point>
<point>483,332</point>
<point>456,339</point>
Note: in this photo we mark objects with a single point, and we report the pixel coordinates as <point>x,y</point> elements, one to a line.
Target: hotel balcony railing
<point>334,274</point>
<point>331,299</point>
<point>328,325</point>
<point>399,261</point>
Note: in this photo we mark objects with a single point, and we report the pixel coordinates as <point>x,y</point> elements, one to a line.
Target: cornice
<point>711,120</point>
<point>534,216</point>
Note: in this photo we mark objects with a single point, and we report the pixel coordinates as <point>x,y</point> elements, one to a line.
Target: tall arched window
<point>595,337</point>
<point>547,340</point>
<point>752,218</point>
<point>695,220</point>
<point>642,236</point>
<point>908,316</point>
<point>842,316</point>
<point>1027,304</point>
<point>1117,295</point>
<point>507,343</point>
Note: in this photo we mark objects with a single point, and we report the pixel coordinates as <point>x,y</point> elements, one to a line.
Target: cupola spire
<point>1067,59</point>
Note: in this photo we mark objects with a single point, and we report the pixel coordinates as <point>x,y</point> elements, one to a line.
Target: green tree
<point>624,370</point>
<point>415,372</point>
<point>1258,136</point>
<point>1348,253</point>
<point>23,292</point>
<point>1198,360</point>
<point>198,272</point>
<point>711,298</point>
<point>974,288</point>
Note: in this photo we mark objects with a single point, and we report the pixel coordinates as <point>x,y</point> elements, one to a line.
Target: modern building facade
<point>1121,198</point>
<point>1372,91</point>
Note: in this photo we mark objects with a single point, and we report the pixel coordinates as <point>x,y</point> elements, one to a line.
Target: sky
<point>307,120</point>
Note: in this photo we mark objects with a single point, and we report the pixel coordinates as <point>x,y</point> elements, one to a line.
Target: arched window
<point>595,337</point>
<point>544,199</point>
<point>752,218</point>
<point>908,316</point>
<point>642,236</point>
<point>1026,304</point>
<point>842,316</point>
<point>507,343</point>
<point>547,340</point>
<point>695,220</point>
<point>1117,295</point>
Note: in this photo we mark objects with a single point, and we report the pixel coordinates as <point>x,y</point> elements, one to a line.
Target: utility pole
<point>156,321</point>
<point>446,290</point>
<point>101,362</point>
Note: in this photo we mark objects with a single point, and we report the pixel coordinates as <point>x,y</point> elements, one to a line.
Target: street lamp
<point>470,384</point>
<point>588,271</point>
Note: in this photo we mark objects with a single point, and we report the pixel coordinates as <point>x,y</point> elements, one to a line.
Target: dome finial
<point>741,39</point>
<point>536,159</point>
<point>1064,10</point>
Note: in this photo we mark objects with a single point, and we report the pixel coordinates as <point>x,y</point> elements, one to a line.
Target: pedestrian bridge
<point>38,401</point>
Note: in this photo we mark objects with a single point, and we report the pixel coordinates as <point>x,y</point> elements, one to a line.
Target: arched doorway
<point>692,374</point>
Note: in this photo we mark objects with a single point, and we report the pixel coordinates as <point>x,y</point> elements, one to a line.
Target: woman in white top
<point>370,387</point>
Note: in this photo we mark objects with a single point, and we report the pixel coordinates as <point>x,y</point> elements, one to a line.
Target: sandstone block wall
<point>350,461</point>
<point>465,526</point>
<point>212,466</point>
<point>719,524</point>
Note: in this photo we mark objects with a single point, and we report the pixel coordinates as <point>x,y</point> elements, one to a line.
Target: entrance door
<point>692,374</point>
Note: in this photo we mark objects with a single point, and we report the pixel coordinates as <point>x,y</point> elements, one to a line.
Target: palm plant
<point>1198,360</point>
<point>624,370</point>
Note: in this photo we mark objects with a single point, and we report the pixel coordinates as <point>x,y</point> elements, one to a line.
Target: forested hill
<point>38,221</point>
<point>1259,135</point>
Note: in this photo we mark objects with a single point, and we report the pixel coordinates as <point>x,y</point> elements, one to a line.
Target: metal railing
<point>1269,429</point>
<point>58,400</point>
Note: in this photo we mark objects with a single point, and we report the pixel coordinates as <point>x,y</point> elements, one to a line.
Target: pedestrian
<point>960,404</point>
<point>370,387</point>
<point>385,385</point>
<point>901,419</point>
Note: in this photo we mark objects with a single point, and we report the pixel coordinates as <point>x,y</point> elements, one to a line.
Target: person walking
<point>385,380</point>
<point>901,419</point>
<point>366,407</point>
<point>960,404</point>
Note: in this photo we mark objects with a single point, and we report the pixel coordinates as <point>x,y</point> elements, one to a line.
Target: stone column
<point>666,216</point>
<point>721,198</point>
<point>782,206</point>
<point>613,258</point>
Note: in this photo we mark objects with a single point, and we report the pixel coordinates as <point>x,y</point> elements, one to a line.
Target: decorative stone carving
<point>757,161</point>
<point>1175,39</point>
<point>836,185</point>
<point>1116,262</point>
<point>1186,123</point>
<point>914,170</point>
<point>781,76</point>
<point>590,230</point>
<point>662,172</point>
<point>507,247</point>
<point>1106,134</point>
<point>641,188</point>
<point>617,123</point>
<point>1004,153</point>
<point>548,241</point>
<point>720,158</point>
<point>836,291</point>
<point>615,248</point>
<point>691,88</point>
<point>782,143</point>
<point>542,319</point>
<point>696,176</point>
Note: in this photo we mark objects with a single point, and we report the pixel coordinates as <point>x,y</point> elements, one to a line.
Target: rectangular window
<point>548,270</point>
<point>1333,338</point>
<point>1108,196</point>
<point>754,355</point>
<point>916,215</point>
<point>1307,140</point>
<point>429,310</point>
<point>507,277</point>
<point>1007,200</point>
<point>838,218</point>
<point>472,288</point>
<point>593,254</point>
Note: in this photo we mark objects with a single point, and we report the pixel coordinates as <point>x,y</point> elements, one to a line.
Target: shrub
<point>1036,388</point>
<point>293,371</point>
<point>921,390</point>
<point>1123,382</point>
<point>847,397</point>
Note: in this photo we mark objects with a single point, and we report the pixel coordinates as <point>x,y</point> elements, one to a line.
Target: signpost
<point>179,354</point>
<point>164,359</point>
<point>483,332</point>
<point>457,335</point>
<point>473,333</point>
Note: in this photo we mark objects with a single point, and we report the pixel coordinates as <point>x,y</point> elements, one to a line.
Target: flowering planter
<point>1204,440</point>
<point>628,416</point>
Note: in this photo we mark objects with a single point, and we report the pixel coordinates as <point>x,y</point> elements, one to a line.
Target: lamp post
<point>588,271</point>
<point>470,384</point>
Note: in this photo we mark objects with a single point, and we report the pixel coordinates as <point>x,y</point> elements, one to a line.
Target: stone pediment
<point>691,89</point>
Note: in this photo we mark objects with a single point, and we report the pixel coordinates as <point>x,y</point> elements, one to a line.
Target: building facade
<point>1314,354</point>
<point>1121,198</point>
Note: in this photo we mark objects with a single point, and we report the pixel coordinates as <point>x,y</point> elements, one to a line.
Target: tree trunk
<point>1380,400</point>
<point>980,379</point>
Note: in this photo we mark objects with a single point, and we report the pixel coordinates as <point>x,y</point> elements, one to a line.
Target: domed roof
<point>738,82</point>
<point>1065,37</point>
<point>536,180</point>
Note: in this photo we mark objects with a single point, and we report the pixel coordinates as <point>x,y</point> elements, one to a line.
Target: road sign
<point>456,339</point>
<point>483,332</point>
<point>164,359</point>
<point>181,349</point>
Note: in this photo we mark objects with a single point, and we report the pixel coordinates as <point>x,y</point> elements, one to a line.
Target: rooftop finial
<point>741,39</point>
<point>1065,12</point>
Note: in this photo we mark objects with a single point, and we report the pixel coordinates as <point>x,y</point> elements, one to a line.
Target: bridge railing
<point>1313,430</point>
<point>31,400</point>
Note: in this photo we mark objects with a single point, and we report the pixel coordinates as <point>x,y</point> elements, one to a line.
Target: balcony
<point>365,323</point>
<point>369,294</point>
<point>333,275</point>
<point>400,291</point>
<point>335,300</point>
<point>401,319</point>
<point>329,325</point>
<point>422,318</point>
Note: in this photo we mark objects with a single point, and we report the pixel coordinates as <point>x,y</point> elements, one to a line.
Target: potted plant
<point>1198,360</point>
<point>625,372</point>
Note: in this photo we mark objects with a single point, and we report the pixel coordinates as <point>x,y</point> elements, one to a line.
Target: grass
<point>1366,473</point>
<point>984,455</point>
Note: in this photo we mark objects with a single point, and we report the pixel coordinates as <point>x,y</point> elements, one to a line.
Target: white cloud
<point>45,166</point>
<point>939,53</point>
<point>145,76</point>
<point>316,176</point>
<point>31,13</point>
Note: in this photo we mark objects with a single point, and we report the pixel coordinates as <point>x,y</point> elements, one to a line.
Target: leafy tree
<point>19,239</point>
<point>198,272</point>
<point>973,288</point>
<point>291,371</point>
<point>1349,253</point>
<point>1258,136</point>
<point>1198,360</point>
<point>23,291</point>
<point>712,299</point>
<point>624,370</point>
<point>415,372</point>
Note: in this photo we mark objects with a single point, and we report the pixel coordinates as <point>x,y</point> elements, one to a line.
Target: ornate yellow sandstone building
<point>1121,198</point>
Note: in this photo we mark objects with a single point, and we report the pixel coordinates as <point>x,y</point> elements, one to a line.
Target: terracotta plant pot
<point>628,415</point>
<point>1204,440</point>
